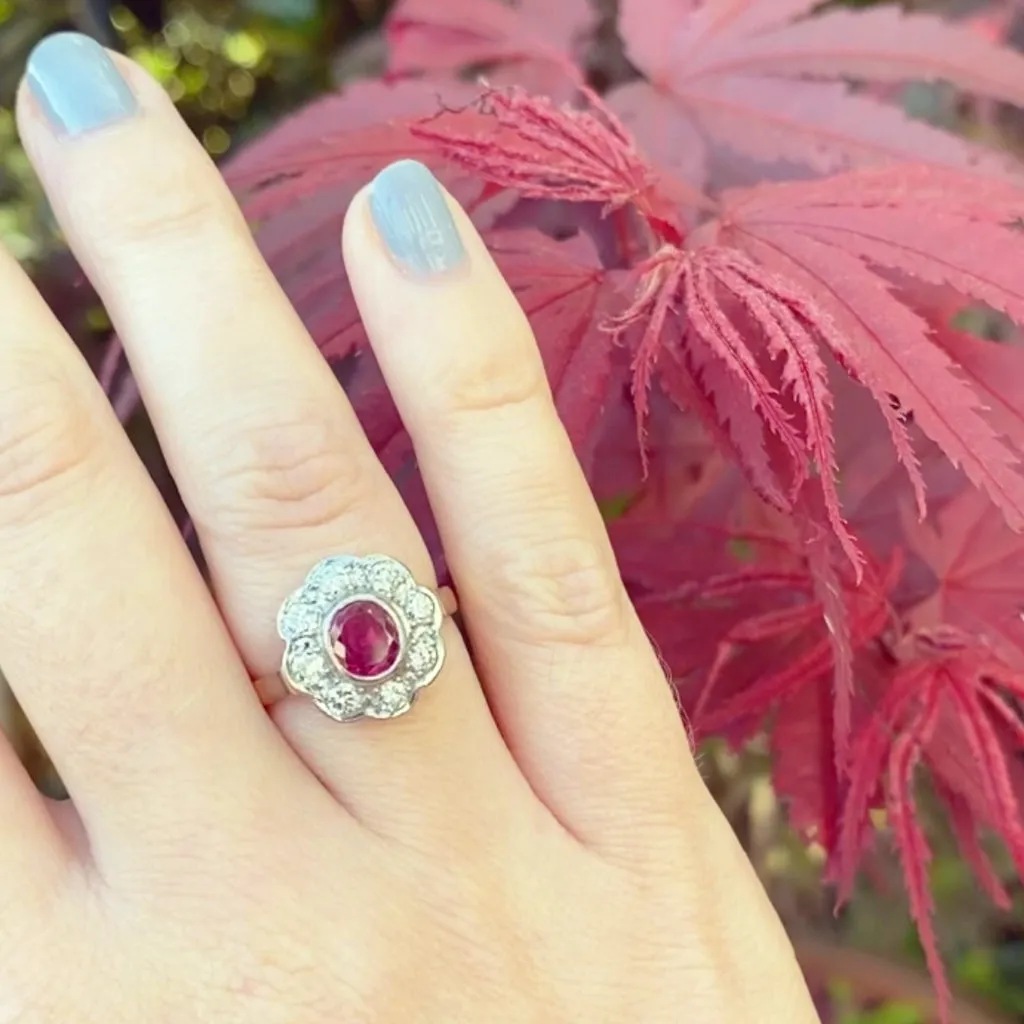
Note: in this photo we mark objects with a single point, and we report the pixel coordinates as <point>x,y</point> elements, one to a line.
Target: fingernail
<point>413,220</point>
<point>77,85</point>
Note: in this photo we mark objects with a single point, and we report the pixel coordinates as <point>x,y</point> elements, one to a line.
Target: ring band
<point>362,637</point>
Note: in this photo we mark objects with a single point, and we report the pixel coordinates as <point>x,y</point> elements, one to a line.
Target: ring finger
<point>268,455</point>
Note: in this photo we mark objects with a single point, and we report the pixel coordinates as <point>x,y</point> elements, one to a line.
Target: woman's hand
<point>531,842</point>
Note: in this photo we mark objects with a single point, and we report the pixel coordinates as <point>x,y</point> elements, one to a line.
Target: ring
<point>362,638</point>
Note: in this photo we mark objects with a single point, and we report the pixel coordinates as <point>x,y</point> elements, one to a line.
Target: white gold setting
<point>403,613</point>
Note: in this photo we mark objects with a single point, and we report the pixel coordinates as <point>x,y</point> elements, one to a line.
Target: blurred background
<point>235,68</point>
<point>232,67</point>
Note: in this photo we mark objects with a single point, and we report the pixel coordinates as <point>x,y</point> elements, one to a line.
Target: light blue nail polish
<point>77,85</point>
<point>413,220</point>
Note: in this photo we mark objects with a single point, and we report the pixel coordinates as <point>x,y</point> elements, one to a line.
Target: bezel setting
<point>309,664</point>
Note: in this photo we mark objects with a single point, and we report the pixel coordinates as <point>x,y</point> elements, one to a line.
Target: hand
<point>531,842</point>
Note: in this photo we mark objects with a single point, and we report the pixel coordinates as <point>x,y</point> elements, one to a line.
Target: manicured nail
<point>77,84</point>
<point>414,221</point>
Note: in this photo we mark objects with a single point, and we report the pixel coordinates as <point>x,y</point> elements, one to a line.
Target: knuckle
<point>47,435</point>
<point>286,475</point>
<point>561,591</point>
<point>167,214</point>
<point>492,383</point>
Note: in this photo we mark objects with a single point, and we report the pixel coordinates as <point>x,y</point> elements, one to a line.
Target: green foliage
<point>997,975</point>
<point>890,1013</point>
<point>231,67</point>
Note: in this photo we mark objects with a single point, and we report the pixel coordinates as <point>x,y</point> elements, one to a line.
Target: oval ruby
<point>365,639</point>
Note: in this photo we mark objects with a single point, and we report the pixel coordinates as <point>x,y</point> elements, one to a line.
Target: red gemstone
<point>365,639</point>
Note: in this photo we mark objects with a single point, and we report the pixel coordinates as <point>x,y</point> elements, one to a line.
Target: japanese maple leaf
<point>684,467</point>
<point>566,295</point>
<point>803,762</point>
<point>834,239</point>
<point>747,606</point>
<point>738,345</point>
<point>674,144</point>
<point>337,144</point>
<point>979,570</point>
<point>689,519</point>
<point>428,35</point>
<point>995,370</point>
<point>949,706</point>
<point>874,488</point>
<point>783,639</point>
<point>546,150</point>
<point>736,72</point>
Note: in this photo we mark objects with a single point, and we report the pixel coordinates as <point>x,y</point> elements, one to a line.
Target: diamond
<point>333,578</point>
<point>422,654</point>
<point>384,577</point>
<point>342,702</point>
<point>298,619</point>
<point>365,639</point>
<point>326,570</point>
<point>391,699</point>
<point>320,682</point>
<point>419,606</point>
<point>304,647</point>
<point>306,665</point>
<point>353,577</point>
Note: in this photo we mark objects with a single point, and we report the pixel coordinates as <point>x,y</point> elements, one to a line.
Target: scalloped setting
<point>362,638</point>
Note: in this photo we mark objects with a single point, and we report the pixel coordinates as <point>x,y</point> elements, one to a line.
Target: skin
<point>532,843</point>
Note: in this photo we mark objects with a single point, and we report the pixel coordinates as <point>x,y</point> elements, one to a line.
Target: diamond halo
<point>362,638</point>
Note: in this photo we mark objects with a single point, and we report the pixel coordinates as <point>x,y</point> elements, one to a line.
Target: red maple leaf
<point>994,370</point>
<point>684,467</point>
<point>337,144</point>
<point>565,293</point>
<point>424,35</point>
<point>673,144</point>
<point>689,519</point>
<point>830,239</point>
<point>722,64</point>
<point>803,762</point>
<point>979,569</point>
<point>769,392</point>
<point>546,150</point>
<point>953,707</point>
<point>747,607</point>
<point>783,638</point>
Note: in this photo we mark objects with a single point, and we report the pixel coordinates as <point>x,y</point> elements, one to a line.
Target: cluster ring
<point>362,637</point>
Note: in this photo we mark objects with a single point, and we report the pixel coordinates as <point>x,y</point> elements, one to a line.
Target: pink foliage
<point>812,478</point>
